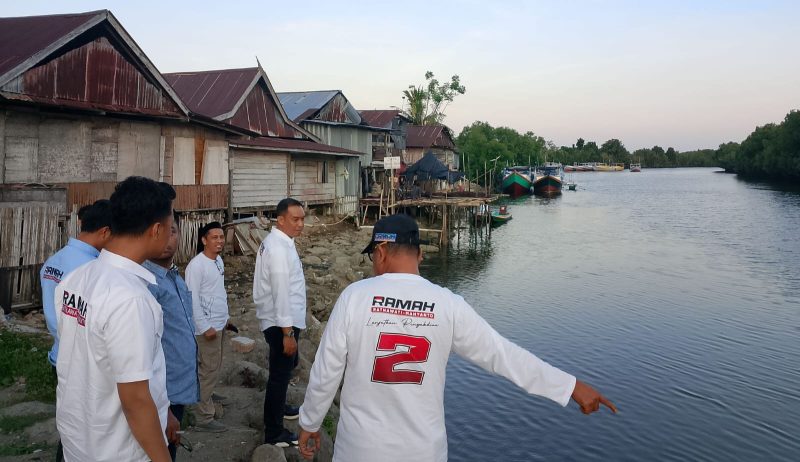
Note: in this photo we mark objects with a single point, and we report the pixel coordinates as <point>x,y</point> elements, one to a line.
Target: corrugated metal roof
<point>379,118</point>
<point>23,37</point>
<point>301,105</point>
<point>302,146</point>
<point>212,93</point>
<point>426,136</point>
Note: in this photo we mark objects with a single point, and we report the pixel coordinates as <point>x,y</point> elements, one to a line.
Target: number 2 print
<point>385,368</point>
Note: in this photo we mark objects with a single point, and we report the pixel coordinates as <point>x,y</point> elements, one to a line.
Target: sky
<point>686,74</point>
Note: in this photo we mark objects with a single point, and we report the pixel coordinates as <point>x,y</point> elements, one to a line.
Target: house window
<point>322,172</point>
<point>291,172</point>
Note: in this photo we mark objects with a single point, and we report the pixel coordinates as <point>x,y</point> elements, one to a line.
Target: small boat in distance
<point>636,168</point>
<point>501,215</point>
<point>516,181</point>
<point>548,180</point>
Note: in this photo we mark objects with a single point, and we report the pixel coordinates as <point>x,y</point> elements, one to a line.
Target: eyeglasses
<point>374,248</point>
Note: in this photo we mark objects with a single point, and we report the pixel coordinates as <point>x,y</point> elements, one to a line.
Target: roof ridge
<point>254,68</point>
<point>70,15</point>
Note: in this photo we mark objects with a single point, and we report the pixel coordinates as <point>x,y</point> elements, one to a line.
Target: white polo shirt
<point>393,334</point>
<point>279,286</point>
<point>110,328</point>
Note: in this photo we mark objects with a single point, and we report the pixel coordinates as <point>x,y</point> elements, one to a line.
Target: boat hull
<point>547,185</point>
<point>515,185</point>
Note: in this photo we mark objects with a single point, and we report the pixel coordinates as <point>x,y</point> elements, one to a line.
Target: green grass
<point>20,449</point>
<point>15,424</point>
<point>25,356</point>
<point>329,425</point>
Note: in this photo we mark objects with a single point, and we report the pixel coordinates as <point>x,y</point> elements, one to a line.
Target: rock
<point>312,260</point>
<point>295,394</point>
<point>247,374</point>
<point>308,349</point>
<point>28,408</point>
<point>268,453</point>
<point>43,432</point>
<point>429,248</point>
<point>243,344</point>
<point>325,453</point>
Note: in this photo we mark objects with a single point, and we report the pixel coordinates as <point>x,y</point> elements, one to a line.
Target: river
<point>675,292</point>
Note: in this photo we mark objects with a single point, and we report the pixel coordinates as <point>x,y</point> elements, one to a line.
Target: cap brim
<point>368,248</point>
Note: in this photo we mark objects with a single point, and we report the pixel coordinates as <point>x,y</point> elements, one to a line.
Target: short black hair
<point>137,203</point>
<point>96,216</point>
<point>394,248</point>
<point>284,205</point>
<point>213,225</point>
<point>203,231</point>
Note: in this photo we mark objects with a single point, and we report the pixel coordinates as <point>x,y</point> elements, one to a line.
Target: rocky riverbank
<point>331,260</point>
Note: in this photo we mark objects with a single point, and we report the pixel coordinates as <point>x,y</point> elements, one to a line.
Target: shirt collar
<point>126,264</point>
<point>155,268</point>
<point>282,235</point>
<point>83,247</point>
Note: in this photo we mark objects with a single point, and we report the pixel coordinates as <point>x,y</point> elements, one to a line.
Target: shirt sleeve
<point>130,337</point>
<point>475,340</point>
<point>328,369</point>
<point>278,269</point>
<point>48,302</point>
<point>194,281</point>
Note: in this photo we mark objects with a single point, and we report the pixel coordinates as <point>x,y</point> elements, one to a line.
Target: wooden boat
<point>636,168</point>
<point>548,180</point>
<point>516,181</point>
<point>500,216</point>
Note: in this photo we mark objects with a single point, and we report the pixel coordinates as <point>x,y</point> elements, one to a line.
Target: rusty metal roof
<point>24,37</point>
<point>427,136</point>
<point>293,145</point>
<point>213,93</point>
<point>81,61</point>
<point>380,117</point>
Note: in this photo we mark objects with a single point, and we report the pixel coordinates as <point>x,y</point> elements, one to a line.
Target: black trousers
<point>177,411</point>
<point>280,371</point>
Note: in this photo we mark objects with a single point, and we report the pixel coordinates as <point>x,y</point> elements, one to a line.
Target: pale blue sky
<point>688,74</point>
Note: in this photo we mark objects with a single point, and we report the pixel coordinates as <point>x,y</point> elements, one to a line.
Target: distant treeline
<point>484,147</point>
<point>772,151</point>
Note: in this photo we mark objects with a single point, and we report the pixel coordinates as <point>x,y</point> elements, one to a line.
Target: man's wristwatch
<point>289,334</point>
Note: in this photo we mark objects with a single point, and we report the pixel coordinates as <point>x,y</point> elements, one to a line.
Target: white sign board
<point>391,163</point>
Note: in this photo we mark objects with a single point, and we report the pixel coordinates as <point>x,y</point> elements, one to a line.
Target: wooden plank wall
<point>259,179</point>
<point>189,197</point>
<point>306,187</point>
<point>28,235</point>
<point>190,224</point>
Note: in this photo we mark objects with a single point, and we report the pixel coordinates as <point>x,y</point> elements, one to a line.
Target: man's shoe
<point>284,440</point>
<point>291,412</point>
<point>215,426</point>
<point>223,400</point>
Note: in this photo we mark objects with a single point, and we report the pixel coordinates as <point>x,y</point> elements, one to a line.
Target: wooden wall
<point>306,186</point>
<point>260,179</point>
<point>50,148</point>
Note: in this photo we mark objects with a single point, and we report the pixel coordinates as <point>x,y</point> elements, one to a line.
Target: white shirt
<point>206,279</point>
<point>110,330</point>
<point>279,286</point>
<point>394,334</point>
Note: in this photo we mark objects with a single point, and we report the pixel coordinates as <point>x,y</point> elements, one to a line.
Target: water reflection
<point>674,291</point>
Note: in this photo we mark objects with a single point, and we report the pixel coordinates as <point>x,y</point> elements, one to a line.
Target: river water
<point>675,292</point>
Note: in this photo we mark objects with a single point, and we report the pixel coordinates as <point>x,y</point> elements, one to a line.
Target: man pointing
<point>393,334</point>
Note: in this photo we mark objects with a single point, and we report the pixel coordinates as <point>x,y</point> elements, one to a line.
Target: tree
<point>427,102</point>
<point>614,151</point>
<point>580,143</point>
<point>480,144</point>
